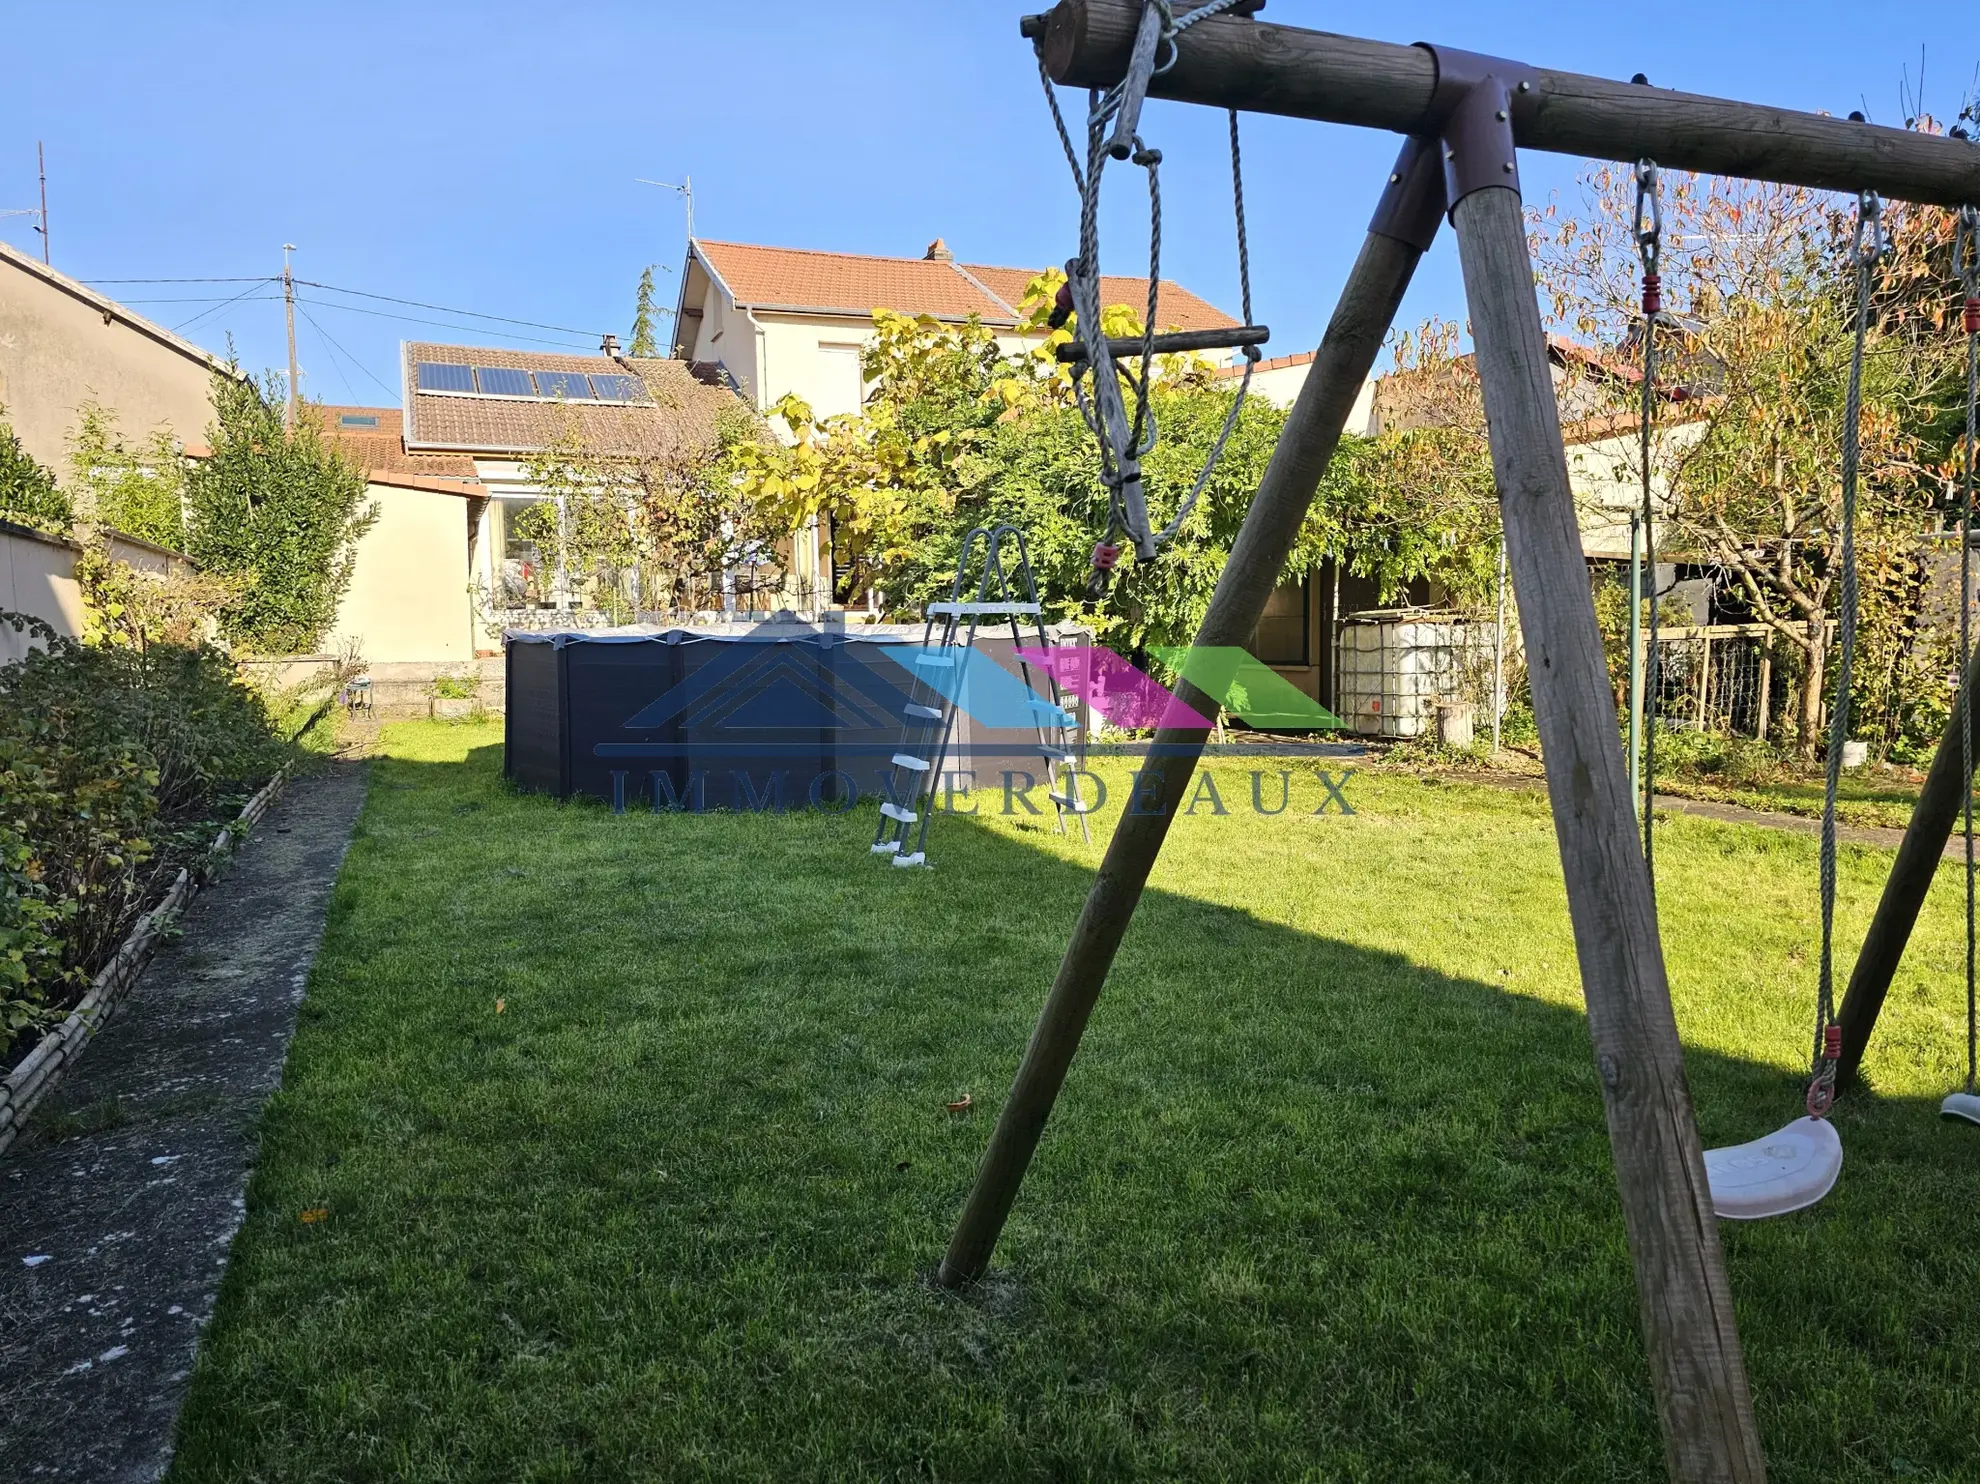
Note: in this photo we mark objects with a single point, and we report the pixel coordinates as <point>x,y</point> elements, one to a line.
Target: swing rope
<point>1966,263</point>
<point>1867,249</point>
<point>1124,442</point>
<point>1649,246</point>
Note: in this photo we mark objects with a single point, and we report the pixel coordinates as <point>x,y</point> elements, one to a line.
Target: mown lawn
<point>632,1142</point>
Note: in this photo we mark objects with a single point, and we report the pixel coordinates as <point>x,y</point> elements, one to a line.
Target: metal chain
<point>1867,249</point>
<point>1966,263</point>
<point>1650,248</point>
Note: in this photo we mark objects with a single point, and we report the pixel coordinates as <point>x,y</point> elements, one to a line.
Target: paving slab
<point>117,1211</point>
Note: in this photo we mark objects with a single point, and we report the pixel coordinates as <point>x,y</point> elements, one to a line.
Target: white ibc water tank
<point>1397,665</point>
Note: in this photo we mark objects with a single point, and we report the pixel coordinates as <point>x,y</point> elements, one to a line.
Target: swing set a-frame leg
<point>1401,233</point>
<point>1697,1372</point>
<point>1918,858</point>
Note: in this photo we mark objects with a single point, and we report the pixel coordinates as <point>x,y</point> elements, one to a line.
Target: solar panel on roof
<point>572,384</point>
<point>445,376</point>
<point>618,388</point>
<point>503,381</point>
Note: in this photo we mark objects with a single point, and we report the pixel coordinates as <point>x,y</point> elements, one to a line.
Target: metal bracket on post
<point>1412,205</point>
<point>1477,102</point>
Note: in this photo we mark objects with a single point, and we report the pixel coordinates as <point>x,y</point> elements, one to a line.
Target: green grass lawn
<point>633,1142</point>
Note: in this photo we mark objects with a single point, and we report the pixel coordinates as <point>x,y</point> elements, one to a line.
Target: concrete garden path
<point>117,1213</point>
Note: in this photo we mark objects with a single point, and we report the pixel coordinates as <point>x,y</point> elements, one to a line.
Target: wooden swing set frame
<point>1464,117</point>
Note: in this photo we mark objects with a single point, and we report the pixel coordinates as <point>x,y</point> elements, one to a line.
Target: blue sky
<point>483,156</point>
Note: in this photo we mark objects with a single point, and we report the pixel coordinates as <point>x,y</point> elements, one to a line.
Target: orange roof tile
<point>1178,308</point>
<point>682,411</point>
<point>848,283</point>
<point>856,284</point>
<point>1276,363</point>
<point>381,452</point>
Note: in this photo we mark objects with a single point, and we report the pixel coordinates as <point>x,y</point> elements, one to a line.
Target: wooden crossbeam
<point>1267,68</point>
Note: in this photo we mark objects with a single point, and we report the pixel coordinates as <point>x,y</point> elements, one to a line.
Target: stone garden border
<point>43,1067</point>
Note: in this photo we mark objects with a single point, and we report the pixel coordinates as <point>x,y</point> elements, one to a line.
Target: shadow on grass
<point>633,1139</point>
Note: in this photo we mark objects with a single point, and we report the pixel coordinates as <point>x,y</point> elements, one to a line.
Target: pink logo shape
<point>1123,695</point>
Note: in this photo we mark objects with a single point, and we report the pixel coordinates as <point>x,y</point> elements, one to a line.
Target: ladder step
<point>894,811</point>
<point>1075,806</point>
<point>935,661</point>
<point>1047,708</point>
<point>1056,754</point>
<point>919,858</point>
<point>886,847</point>
<point>972,610</point>
<point>926,713</point>
<point>902,760</point>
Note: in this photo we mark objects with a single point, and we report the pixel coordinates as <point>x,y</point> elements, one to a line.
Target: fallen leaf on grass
<point>315,1214</point>
<point>957,1107</point>
<point>500,1005</point>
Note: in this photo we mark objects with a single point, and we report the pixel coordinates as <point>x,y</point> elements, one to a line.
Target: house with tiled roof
<point>444,567</point>
<point>772,321</point>
<point>776,320</point>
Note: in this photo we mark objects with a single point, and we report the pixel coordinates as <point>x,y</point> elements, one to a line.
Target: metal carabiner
<point>1870,224</point>
<point>1649,215</point>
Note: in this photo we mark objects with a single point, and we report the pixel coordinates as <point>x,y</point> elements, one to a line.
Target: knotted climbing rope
<point>1124,438</point>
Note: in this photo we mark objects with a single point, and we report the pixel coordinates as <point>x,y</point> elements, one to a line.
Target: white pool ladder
<point>1006,594</point>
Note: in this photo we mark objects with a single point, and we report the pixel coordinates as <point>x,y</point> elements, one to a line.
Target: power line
<point>188,324</point>
<point>342,374</point>
<point>332,342</point>
<point>265,278</point>
<point>193,299</point>
<point>446,309</point>
<point>441,325</point>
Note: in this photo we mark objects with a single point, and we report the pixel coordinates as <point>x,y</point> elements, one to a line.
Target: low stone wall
<point>43,1067</point>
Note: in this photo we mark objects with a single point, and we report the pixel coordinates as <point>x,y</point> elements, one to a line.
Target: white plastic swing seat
<point>1961,1105</point>
<point>1783,1172</point>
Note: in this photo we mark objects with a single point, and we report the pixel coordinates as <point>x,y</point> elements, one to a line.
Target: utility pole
<point>41,162</point>
<point>289,310</point>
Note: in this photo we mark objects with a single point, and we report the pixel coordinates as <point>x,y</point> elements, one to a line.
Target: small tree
<point>28,492</point>
<point>643,341</point>
<point>139,491</point>
<point>584,526</point>
<point>280,512</point>
<point>1763,303</point>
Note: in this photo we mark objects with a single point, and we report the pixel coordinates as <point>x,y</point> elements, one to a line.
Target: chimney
<point>609,346</point>
<point>938,252</point>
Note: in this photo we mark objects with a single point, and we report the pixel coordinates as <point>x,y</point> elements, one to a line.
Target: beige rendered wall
<point>37,577</point>
<point>57,352</point>
<point>726,335</point>
<point>1606,475</point>
<point>408,598</point>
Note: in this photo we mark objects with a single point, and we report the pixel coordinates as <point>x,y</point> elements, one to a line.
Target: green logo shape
<point>1248,688</point>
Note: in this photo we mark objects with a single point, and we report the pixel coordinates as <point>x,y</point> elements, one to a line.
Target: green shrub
<point>116,766</point>
<point>28,492</point>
